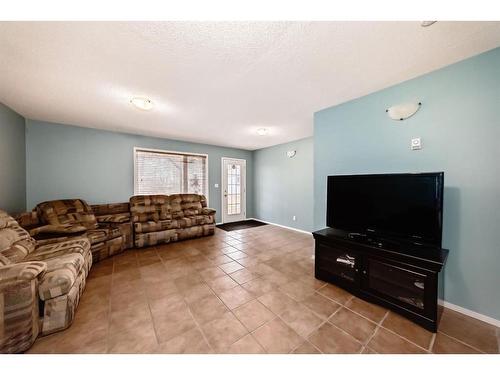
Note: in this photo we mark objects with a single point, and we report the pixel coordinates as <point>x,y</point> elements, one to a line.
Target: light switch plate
<point>416,144</point>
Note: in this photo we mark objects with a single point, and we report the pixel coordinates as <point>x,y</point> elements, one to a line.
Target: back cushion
<point>150,208</point>
<point>176,205</point>
<point>191,204</point>
<point>66,211</point>
<point>15,242</point>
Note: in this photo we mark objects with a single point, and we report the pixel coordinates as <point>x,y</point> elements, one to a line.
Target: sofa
<point>40,283</point>
<point>74,217</point>
<point>161,219</point>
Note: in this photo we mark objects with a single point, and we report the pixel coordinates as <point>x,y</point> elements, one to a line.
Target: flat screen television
<point>404,206</point>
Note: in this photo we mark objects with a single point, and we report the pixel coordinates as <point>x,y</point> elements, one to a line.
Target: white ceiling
<point>217,82</point>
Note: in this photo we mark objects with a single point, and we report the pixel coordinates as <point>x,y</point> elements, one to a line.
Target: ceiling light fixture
<point>142,103</point>
<point>427,23</point>
<point>262,131</point>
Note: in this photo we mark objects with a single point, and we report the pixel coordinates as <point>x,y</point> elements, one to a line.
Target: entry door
<point>233,190</point>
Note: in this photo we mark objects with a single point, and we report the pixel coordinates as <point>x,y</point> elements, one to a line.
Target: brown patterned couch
<point>70,217</point>
<point>167,218</point>
<point>40,284</point>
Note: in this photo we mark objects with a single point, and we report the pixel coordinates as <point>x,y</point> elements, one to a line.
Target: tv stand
<point>401,277</point>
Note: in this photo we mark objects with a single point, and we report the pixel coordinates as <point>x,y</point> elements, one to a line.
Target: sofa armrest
<point>208,211</point>
<point>28,220</point>
<point>58,229</point>
<point>20,272</point>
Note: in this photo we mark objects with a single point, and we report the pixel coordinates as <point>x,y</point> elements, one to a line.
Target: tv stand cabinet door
<point>338,264</point>
<point>411,288</point>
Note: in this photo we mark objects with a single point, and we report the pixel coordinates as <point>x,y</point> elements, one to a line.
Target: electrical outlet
<point>216,186</point>
<point>294,218</point>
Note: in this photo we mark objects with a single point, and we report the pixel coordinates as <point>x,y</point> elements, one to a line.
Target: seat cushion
<point>191,221</point>
<point>80,245</point>
<point>103,234</point>
<point>61,274</point>
<point>155,226</point>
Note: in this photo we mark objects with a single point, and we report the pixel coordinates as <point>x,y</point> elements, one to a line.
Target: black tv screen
<point>404,206</point>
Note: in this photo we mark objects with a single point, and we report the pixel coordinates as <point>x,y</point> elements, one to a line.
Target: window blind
<point>159,172</point>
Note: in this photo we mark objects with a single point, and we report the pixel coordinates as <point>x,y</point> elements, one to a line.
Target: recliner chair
<point>40,284</point>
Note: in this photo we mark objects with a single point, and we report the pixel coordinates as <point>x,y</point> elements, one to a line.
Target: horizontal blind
<point>170,173</point>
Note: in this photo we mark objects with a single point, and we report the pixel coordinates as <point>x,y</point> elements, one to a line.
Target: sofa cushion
<point>79,245</point>
<point>60,276</point>
<point>66,211</point>
<point>155,226</point>
<point>192,221</point>
<point>102,234</point>
<point>150,207</point>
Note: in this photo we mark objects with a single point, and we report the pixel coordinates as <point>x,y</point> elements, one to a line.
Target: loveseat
<point>40,283</point>
<point>74,217</point>
<point>161,219</point>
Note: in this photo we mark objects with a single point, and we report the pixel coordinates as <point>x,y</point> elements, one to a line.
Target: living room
<point>236,187</point>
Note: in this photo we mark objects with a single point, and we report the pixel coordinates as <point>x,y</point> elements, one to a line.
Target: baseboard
<point>282,226</point>
<point>470,313</point>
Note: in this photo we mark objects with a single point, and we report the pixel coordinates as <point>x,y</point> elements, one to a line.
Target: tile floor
<point>248,291</point>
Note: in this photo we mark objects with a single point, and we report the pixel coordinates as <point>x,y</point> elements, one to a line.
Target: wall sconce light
<point>401,112</point>
<point>291,153</point>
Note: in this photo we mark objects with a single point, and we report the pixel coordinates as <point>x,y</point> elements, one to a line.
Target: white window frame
<point>207,187</point>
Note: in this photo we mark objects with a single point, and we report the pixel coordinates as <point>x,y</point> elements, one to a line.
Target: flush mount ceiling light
<point>401,112</point>
<point>262,131</point>
<point>142,103</point>
<point>427,23</point>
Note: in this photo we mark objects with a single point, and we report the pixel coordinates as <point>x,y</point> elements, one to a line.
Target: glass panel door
<point>233,186</point>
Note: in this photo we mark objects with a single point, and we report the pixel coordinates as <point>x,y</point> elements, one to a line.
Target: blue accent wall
<point>69,161</point>
<point>283,185</point>
<point>12,161</point>
<point>459,124</point>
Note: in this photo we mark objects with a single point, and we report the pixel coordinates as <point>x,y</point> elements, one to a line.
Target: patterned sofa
<point>40,284</point>
<point>167,218</point>
<point>70,217</point>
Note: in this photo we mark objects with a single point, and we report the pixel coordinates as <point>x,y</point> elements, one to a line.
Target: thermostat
<point>416,144</point>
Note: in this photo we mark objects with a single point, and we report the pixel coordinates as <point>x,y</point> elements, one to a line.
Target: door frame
<point>244,186</point>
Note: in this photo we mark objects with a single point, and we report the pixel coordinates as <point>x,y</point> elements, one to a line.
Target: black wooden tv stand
<point>403,278</point>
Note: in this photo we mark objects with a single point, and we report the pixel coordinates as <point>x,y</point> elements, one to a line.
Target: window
<point>233,189</point>
<point>165,172</point>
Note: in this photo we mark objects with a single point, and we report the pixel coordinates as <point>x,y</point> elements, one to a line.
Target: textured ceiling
<point>217,82</point>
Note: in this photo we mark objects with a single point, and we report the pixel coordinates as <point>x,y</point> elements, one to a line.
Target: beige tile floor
<point>249,291</point>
